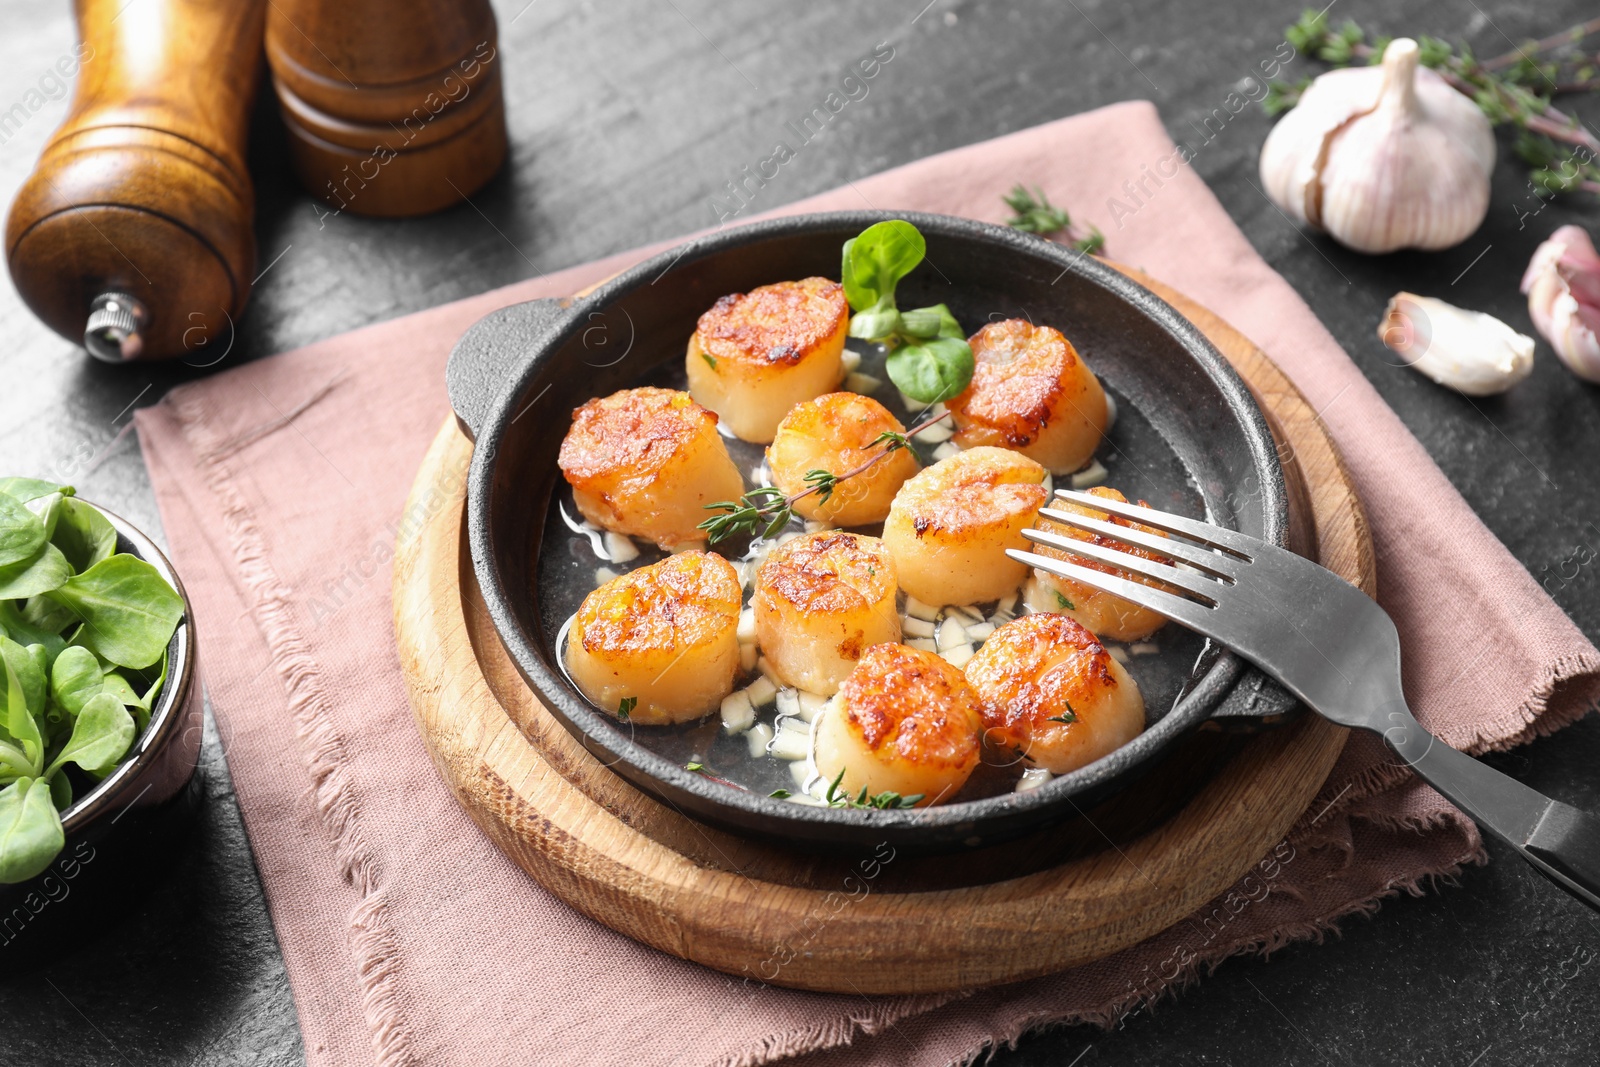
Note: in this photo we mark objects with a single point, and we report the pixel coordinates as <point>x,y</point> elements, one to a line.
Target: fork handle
<point>1560,841</point>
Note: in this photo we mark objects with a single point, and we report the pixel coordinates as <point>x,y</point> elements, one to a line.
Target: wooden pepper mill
<point>393,107</point>
<point>133,233</point>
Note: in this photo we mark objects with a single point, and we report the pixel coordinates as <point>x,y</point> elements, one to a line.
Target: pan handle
<point>488,354</point>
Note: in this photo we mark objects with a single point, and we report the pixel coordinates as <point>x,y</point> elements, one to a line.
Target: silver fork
<point>1330,645</point>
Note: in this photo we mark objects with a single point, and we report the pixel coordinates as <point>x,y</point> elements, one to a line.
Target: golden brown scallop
<point>665,636</point>
<point>645,462</point>
<point>905,721</point>
<point>1032,392</point>
<point>949,526</point>
<point>1049,689</point>
<point>820,601</point>
<point>1105,614</point>
<point>755,355</point>
<point>835,432</point>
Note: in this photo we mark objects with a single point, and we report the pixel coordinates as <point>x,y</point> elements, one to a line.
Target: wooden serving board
<point>878,924</point>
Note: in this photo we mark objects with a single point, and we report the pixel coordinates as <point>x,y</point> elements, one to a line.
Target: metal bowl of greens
<point>100,713</point>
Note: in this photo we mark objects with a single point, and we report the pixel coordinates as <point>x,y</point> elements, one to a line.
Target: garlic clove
<point>1468,351</point>
<point>1563,287</point>
<point>1383,157</point>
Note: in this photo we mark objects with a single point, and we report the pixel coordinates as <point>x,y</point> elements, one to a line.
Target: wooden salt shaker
<point>393,107</point>
<point>133,233</point>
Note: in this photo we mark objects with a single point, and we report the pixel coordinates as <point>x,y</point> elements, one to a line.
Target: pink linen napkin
<point>409,939</point>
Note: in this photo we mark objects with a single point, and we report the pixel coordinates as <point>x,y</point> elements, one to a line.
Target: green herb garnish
<point>1069,716</point>
<point>711,361</point>
<point>886,800</point>
<point>84,631</point>
<point>625,708</point>
<point>1033,213</point>
<point>930,360</point>
<point>766,510</point>
<point>1064,602</point>
<point>780,794</point>
<point>697,768</point>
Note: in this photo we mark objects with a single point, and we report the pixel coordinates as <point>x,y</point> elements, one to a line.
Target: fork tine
<point>1206,588</point>
<point>1219,564</point>
<point>1239,544</point>
<point>1190,613</point>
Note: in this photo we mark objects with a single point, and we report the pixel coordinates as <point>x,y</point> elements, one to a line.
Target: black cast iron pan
<point>1189,437</point>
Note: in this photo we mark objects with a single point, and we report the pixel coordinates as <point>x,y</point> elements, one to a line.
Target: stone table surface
<point>627,117</point>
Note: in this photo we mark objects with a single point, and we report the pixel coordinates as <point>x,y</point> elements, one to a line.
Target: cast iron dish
<point>121,830</point>
<point>1187,426</point>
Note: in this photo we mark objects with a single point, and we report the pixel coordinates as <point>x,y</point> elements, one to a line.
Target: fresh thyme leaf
<point>895,441</point>
<point>711,361</point>
<point>1035,214</point>
<point>1283,96</point>
<point>695,767</point>
<point>823,482</point>
<point>780,794</point>
<point>1069,716</point>
<point>1033,211</point>
<point>625,709</point>
<point>1064,602</point>
<point>886,800</point>
<point>1091,244</point>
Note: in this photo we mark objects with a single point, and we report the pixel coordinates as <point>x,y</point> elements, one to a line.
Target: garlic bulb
<point>1563,287</point>
<point>1468,351</point>
<point>1383,157</point>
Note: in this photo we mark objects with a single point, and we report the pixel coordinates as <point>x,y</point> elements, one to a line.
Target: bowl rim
<point>166,719</point>
<point>599,734</point>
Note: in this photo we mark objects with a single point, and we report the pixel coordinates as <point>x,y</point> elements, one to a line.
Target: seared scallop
<point>645,462</point>
<point>663,637</point>
<point>949,526</point>
<point>835,432</point>
<point>1105,614</point>
<point>755,355</point>
<point>820,601</point>
<point>1048,689</point>
<point>1031,392</point>
<point>905,721</point>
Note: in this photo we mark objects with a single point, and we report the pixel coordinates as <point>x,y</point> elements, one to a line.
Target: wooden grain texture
<point>799,920</point>
<point>392,109</point>
<point>143,189</point>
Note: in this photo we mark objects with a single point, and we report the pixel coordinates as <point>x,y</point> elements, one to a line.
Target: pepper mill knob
<point>115,330</point>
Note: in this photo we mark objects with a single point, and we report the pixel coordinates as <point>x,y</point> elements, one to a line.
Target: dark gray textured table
<point>626,118</point>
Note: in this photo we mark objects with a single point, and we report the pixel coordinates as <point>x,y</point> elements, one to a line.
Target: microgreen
<point>80,624</point>
<point>696,768</point>
<point>929,358</point>
<point>1513,89</point>
<point>1033,213</point>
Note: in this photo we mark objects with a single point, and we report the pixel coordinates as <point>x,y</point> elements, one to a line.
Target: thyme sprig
<point>888,800</point>
<point>1513,89</point>
<point>768,510</point>
<point>1033,213</point>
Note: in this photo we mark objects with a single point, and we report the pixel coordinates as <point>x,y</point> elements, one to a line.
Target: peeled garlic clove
<point>1563,287</point>
<point>1468,351</point>
<point>1383,157</point>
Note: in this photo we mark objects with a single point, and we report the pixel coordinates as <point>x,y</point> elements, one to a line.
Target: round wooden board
<point>881,923</point>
